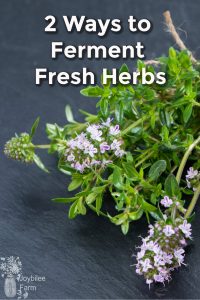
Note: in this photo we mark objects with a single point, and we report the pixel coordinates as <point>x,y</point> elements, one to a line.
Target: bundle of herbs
<point>136,148</point>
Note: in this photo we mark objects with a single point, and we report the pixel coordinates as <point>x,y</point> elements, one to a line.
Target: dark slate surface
<point>87,257</point>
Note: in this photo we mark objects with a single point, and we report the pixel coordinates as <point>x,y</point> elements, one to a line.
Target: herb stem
<point>144,159</point>
<point>196,103</point>
<point>185,158</point>
<point>42,146</point>
<point>193,202</point>
<point>94,209</point>
<point>138,122</point>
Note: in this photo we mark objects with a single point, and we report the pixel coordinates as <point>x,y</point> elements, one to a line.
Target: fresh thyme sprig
<point>136,148</point>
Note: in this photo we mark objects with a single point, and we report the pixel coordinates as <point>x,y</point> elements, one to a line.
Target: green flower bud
<point>20,148</point>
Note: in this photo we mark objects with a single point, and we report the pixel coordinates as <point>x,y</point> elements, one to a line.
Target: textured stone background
<point>87,257</point>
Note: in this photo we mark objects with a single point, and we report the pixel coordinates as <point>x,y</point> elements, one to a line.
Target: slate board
<point>86,257</point>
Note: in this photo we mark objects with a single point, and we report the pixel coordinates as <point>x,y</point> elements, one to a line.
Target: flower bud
<point>20,148</point>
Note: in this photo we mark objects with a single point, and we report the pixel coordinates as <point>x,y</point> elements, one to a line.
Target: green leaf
<point>171,186</point>
<point>172,52</point>
<point>153,120</point>
<point>117,178</point>
<point>90,198</point>
<point>81,207</point>
<point>104,107</point>
<point>39,163</point>
<point>119,112</point>
<point>157,215</point>
<point>157,169</point>
<point>73,210</point>
<point>98,203</point>
<point>64,200</point>
<point>148,207</point>
<point>136,215</point>
<point>187,113</point>
<point>130,170</point>
<point>125,227</point>
<point>165,118</point>
<point>124,68</point>
<point>69,114</point>
<point>76,182</point>
<point>165,134</point>
<point>34,127</point>
<point>92,91</point>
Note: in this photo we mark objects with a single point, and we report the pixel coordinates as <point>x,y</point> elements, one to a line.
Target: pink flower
<point>159,278</point>
<point>119,152</point>
<point>146,265</point>
<point>79,167</point>
<point>149,281</point>
<point>191,173</point>
<point>186,229</point>
<point>158,260</point>
<point>114,130</point>
<point>70,157</point>
<point>116,145</point>
<point>95,133</point>
<point>179,255</point>
<point>140,254</point>
<point>107,123</point>
<point>92,150</point>
<point>151,230</point>
<point>138,271</point>
<point>168,230</point>
<point>167,258</point>
<point>104,147</point>
<point>166,201</point>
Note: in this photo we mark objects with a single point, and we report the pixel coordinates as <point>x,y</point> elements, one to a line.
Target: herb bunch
<point>136,148</point>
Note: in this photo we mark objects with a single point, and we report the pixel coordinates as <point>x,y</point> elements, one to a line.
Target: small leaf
<point>124,68</point>
<point>117,178</point>
<point>90,198</point>
<point>92,91</point>
<point>39,163</point>
<point>148,207</point>
<point>34,127</point>
<point>157,169</point>
<point>165,134</point>
<point>104,107</point>
<point>125,227</point>
<point>157,214</point>
<point>76,182</point>
<point>171,186</point>
<point>69,114</point>
<point>64,200</point>
<point>119,112</point>
<point>172,52</point>
<point>130,170</point>
<point>73,210</point>
<point>121,218</point>
<point>153,120</point>
<point>81,207</point>
<point>136,215</point>
<point>187,113</point>
<point>98,203</point>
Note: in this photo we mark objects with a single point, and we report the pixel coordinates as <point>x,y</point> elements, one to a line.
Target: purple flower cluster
<point>192,178</point>
<point>162,250</point>
<point>95,146</point>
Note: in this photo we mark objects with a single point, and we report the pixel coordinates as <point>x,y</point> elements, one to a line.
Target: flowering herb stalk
<point>136,148</point>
